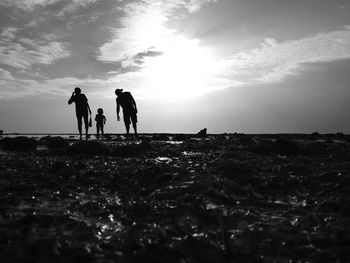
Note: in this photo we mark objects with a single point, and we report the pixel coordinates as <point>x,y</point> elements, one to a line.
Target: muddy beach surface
<point>176,198</point>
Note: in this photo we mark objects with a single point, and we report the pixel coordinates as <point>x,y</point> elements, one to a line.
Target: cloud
<point>63,87</point>
<point>149,53</point>
<point>28,5</point>
<point>272,60</point>
<point>25,52</point>
<point>15,88</point>
<point>31,5</point>
<point>5,75</point>
<point>143,29</point>
<point>74,5</point>
<point>186,66</point>
<point>9,33</point>
<point>139,59</point>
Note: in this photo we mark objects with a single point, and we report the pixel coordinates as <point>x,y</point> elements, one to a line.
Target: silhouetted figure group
<point>82,109</point>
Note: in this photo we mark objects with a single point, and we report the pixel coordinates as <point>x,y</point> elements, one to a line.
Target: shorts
<point>83,115</point>
<point>130,116</point>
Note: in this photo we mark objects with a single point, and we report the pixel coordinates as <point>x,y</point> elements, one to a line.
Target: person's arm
<point>87,104</point>
<point>96,118</point>
<point>71,100</point>
<point>104,119</point>
<point>133,103</point>
<point>117,109</point>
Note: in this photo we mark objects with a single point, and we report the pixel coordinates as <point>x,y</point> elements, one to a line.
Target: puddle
<point>163,160</point>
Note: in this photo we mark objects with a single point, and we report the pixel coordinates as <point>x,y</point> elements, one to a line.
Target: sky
<point>251,66</point>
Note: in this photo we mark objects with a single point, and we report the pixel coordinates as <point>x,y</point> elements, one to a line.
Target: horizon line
<point>150,133</point>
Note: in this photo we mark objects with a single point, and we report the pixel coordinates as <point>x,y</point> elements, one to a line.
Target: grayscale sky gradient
<point>253,66</point>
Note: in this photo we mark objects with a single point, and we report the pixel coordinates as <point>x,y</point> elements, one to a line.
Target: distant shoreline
<point>173,133</point>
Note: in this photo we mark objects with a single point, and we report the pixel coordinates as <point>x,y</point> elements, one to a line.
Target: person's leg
<point>127,126</point>
<point>135,128</point>
<point>86,123</point>
<point>102,132</point>
<point>134,122</point>
<point>79,118</point>
<point>127,121</point>
<point>98,132</point>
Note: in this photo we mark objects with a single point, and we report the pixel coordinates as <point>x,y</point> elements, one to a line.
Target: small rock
<point>88,148</point>
<point>57,143</point>
<point>20,143</point>
<point>202,133</point>
<point>181,137</point>
<point>286,147</point>
<point>315,135</point>
<point>131,149</point>
<point>246,141</point>
<point>160,137</point>
<point>107,137</point>
<point>234,169</point>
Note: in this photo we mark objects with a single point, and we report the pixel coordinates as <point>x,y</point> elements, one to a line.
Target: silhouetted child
<point>100,122</point>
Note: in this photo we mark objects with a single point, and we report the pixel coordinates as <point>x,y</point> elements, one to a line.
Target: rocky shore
<point>176,198</point>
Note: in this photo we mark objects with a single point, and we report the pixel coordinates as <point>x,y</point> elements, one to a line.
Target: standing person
<point>82,109</point>
<point>100,122</point>
<point>127,102</point>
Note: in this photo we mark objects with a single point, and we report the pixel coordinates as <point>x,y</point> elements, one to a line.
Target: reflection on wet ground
<point>223,198</point>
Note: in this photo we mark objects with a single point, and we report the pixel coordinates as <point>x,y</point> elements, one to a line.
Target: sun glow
<point>169,65</point>
<point>182,71</point>
<point>146,30</point>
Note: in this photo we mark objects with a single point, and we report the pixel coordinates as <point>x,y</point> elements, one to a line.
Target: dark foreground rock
<point>57,143</point>
<point>88,148</point>
<point>213,199</point>
<point>202,133</point>
<point>20,143</point>
<point>286,147</point>
<point>160,137</point>
<point>132,150</point>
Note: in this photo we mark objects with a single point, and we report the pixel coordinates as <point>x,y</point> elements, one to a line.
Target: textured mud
<point>161,198</point>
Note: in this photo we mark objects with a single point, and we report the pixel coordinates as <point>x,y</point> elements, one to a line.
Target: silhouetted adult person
<point>127,102</point>
<point>82,109</point>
